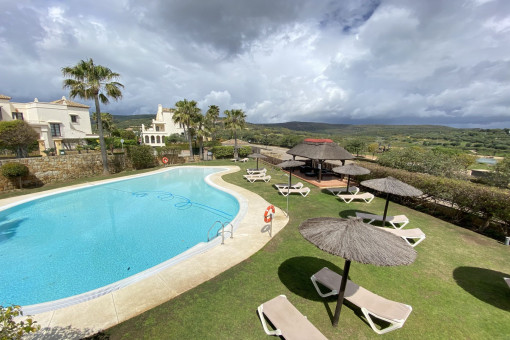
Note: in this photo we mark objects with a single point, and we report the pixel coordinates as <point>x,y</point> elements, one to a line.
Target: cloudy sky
<point>354,62</point>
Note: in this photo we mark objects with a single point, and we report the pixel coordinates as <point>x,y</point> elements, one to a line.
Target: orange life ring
<point>164,160</point>
<point>267,216</point>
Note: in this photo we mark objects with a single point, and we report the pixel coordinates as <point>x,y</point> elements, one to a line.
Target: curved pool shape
<point>107,236</point>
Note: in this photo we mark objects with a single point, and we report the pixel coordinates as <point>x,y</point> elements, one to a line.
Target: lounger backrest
<point>293,325</point>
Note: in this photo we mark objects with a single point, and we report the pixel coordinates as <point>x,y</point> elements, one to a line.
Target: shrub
<point>10,329</point>
<point>141,156</point>
<point>228,151</point>
<point>14,170</point>
<point>489,204</point>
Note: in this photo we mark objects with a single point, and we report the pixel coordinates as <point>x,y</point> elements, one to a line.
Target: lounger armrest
<point>260,311</point>
<point>394,324</point>
<point>314,281</point>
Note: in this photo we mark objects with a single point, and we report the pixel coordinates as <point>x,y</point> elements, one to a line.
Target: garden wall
<point>44,170</point>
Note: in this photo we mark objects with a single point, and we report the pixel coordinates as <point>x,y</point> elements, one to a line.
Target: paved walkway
<point>105,311</point>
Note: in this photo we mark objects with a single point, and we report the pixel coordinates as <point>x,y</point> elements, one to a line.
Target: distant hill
<point>354,130</point>
<point>123,122</point>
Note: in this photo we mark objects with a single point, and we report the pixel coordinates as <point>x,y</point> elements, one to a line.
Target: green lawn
<point>455,287</point>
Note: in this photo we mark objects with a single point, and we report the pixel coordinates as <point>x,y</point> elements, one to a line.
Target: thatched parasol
<point>351,170</point>
<point>320,149</point>
<point>393,186</point>
<point>289,164</point>
<point>257,156</point>
<point>354,240</point>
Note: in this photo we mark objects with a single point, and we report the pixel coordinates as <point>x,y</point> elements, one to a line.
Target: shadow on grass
<point>484,284</point>
<point>295,274</point>
<point>349,213</point>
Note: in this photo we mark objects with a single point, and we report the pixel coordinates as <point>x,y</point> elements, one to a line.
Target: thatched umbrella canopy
<point>321,150</point>
<point>393,186</point>
<point>257,156</point>
<point>289,164</point>
<point>354,240</point>
<point>351,170</point>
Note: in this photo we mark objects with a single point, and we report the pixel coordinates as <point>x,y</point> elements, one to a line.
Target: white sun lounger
<point>371,304</point>
<point>397,221</point>
<point>261,177</point>
<point>287,320</point>
<point>256,171</point>
<point>408,234</point>
<point>298,185</point>
<point>366,196</point>
<point>304,191</point>
<point>336,191</point>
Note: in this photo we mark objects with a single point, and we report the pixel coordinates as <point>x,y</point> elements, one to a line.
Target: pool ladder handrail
<point>222,231</point>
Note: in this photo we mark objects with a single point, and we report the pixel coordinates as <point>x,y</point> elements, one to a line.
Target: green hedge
<point>488,203</point>
<point>228,151</point>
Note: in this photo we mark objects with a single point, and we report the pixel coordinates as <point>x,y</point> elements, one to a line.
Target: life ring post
<point>268,218</point>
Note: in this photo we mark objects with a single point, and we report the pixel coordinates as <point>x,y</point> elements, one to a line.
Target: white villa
<point>161,127</point>
<point>57,122</point>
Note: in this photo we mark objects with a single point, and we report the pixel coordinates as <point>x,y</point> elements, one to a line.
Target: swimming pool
<point>84,243</point>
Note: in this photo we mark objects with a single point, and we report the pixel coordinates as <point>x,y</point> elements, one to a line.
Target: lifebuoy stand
<point>268,218</point>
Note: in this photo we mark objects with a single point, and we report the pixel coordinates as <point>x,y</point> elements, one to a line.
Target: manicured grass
<point>455,287</point>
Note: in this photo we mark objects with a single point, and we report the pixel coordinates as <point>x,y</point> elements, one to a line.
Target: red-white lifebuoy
<point>164,160</point>
<point>268,217</point>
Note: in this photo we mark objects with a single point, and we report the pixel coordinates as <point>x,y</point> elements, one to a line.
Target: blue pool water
<point>483,160</point>
<point>74,242</point>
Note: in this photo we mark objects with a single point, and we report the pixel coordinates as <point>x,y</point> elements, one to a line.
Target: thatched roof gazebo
<point>320,150</point>
<point>354,240</point>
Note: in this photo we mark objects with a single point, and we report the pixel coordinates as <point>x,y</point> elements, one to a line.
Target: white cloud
<point>394,61</point>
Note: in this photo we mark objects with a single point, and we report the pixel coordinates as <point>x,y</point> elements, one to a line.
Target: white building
<point>62,120</point>
<point>161,127</point>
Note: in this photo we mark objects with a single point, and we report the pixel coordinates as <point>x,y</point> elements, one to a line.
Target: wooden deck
<point>327,181</point>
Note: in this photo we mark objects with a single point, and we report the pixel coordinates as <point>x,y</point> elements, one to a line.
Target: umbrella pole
<point>288,191</point>
<point>257,163</point>
<point>341,293</point>
<point>348,181</point>
<point>385,209</point>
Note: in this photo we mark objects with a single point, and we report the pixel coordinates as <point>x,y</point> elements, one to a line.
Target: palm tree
<point>201,133</point>
<point>107,120</point>
<point>185,113</point>
<point>89,81</point>
<point>211,117</point>
<point>235,120</point>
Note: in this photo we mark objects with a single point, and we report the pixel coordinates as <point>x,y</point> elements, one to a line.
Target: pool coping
<point>106,310</point>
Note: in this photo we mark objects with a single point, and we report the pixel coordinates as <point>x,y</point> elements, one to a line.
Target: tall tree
<point>107,121</point>
<point>201,133</point>
<point>18,136</point>
<point>235,120</point>
<point>211,117</point>
<point>185,113</point>
<point>89,81</point>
